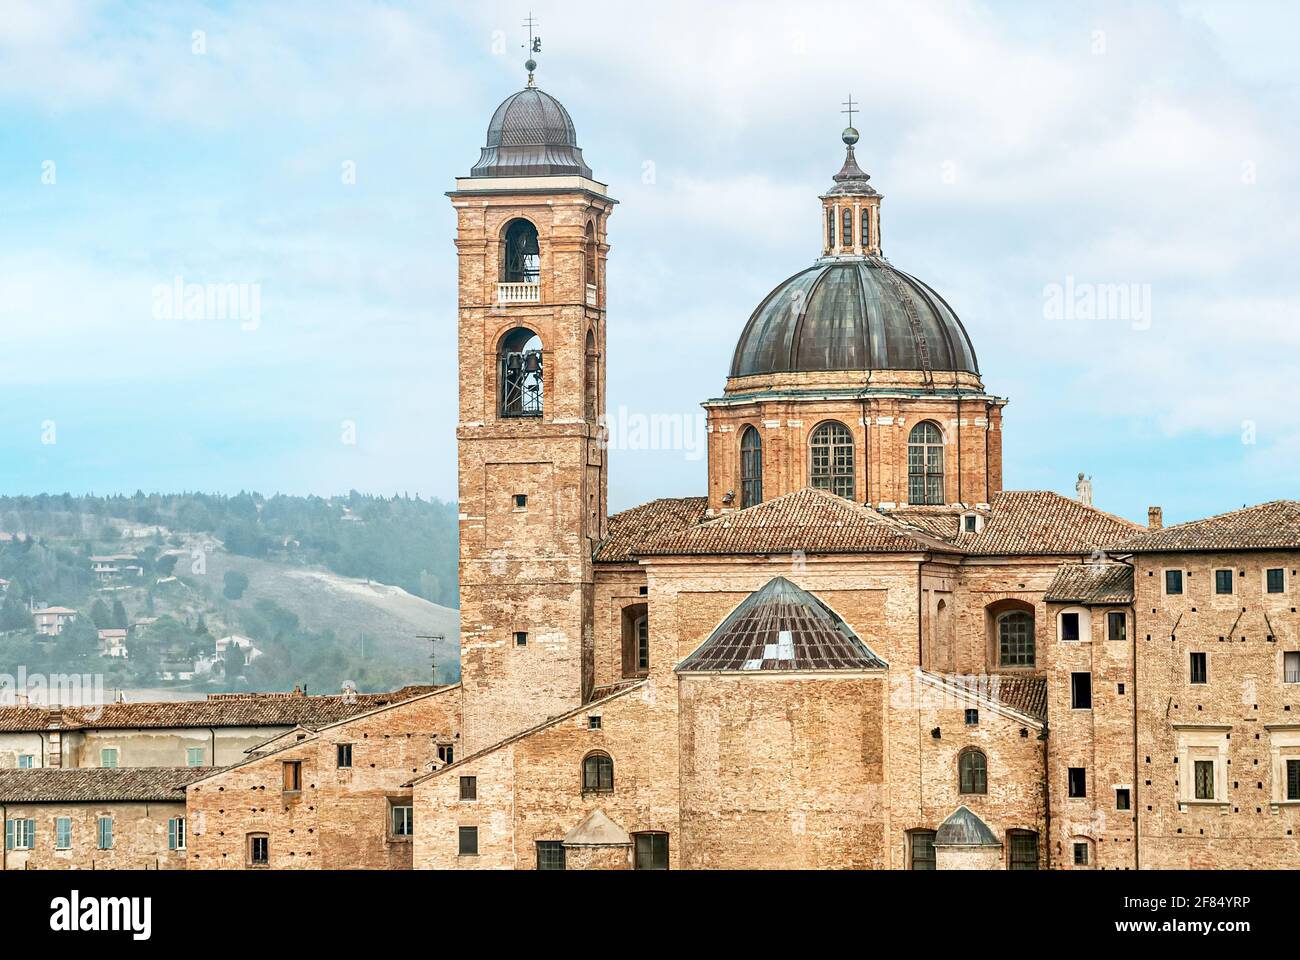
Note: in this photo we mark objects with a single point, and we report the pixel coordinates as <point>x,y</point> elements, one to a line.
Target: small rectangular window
<point>969,522</point>
<point>1081,691</point>
<point>1116,625</point>
<point>1121,798</point>
<point>521,500</point>
<point>1173,582</point>
<point>1120,688</point>
<point>1223,581</point>
<point>643,591</point>
<point>922,850</point>
<point>108,757</point>
<point>1069,626</point>
<point>176,833</point>
<point>469,788</point>
<point>446,753</point>
<point>1293,779</point>
<point>402,819</point>
<point>259,850</point>
<point>972,717</point>
<point>292,776</point>
<point>468,841</point>
<point>1291,667</point>
<point>1275,580</point>
<point>1081,854</point>
<point>194,756</point>
<point>343,752</point>
<point>1198,668</point>
<point>1078,782</point>
<point>105,833</point>
<point>550,855</point>
<point>593,723</point>
<point>62,833</point>
<point>26,761</point>
<point>521,638</point>
<point>652,851</point>
<point>1204,770</point>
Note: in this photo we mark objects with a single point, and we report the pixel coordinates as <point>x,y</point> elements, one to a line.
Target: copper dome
<point>531,135</point>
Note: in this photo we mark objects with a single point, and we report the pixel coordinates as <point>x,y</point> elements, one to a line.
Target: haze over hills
<point>320,591</point>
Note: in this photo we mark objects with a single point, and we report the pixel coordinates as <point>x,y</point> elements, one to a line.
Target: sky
<point>1033,158</point>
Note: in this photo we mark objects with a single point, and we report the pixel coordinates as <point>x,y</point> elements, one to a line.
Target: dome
<point>857,314</point>
<point>531,135</point>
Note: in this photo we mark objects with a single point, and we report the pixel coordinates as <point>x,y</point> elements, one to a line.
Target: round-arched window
<point>520,373</point>
<point>973,774</point>
<point>925,464</point>
<point>598,773</point>
<point>751,468</point>
<point>832,459</point>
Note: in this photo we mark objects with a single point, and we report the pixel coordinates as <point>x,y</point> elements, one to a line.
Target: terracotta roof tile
<point>1267,526</point>
<point>218,710</point>
<point>1091,583</point>
<point>97,784</point>
<point>631,529</point>
<point>808,521</point>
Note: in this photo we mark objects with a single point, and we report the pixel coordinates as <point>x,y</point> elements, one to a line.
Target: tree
<point>234,584</point>
<point>165,564</point>
<point>14,616</point>
<point>100,615</point>
<point>119,615</point>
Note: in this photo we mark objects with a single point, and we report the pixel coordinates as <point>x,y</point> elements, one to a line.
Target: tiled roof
<point>1089,583</point>
<point>964,829</point>
<point>632,529</point>
<point>218,710</point>
<point>1026,694</point>
<point>1030,523</point>
<point>1266,526</point>
<point>782,627</point>
<point>808,521</point>
<point>97,784</point>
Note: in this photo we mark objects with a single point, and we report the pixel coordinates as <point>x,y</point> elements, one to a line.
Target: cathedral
<point>855,649</point>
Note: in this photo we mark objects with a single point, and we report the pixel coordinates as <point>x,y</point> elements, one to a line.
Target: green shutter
<point>171,834</point>
<point>9,834</point>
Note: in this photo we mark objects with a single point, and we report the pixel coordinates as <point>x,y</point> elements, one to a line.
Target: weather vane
<point>849,103</point>
<point>534,47</point>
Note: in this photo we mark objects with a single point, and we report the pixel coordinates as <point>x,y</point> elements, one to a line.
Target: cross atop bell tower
<point>531,245</point>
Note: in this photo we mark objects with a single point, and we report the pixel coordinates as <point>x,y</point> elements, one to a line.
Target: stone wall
<point>139,837</point>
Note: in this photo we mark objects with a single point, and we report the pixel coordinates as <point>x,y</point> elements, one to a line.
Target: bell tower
<point>531,246</point>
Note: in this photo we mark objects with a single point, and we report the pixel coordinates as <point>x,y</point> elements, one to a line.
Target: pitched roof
<point>808,521</point>
<point>964,829</point>
<point>1025,694</point>
<point>97,784</point>
<point>781,627</point>
<point>631,529</point>
<point>597,830</point>
<point>1098,582</point>
<point>218,710</point>
<point>1030,523</point>
<point>1267,526</point>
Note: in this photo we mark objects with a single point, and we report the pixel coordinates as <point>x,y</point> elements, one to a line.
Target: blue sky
<point>1018,146</point>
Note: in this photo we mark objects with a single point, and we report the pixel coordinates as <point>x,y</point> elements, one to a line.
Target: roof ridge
<point>1082,505</point>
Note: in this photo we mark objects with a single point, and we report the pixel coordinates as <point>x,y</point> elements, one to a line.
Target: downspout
<point>212,757</point>
<point>959,497</point>
<point>1137,807</point>
<point>1047,796</point>
<point>988,408</point>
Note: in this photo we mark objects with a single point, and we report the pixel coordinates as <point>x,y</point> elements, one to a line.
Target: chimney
<point>1155,518</point>
<point>1083,490</point>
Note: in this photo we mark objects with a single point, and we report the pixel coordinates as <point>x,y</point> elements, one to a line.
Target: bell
<point>513,362</point>
<point>532,361</point>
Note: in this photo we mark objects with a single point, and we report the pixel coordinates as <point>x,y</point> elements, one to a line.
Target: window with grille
<point>1293,779</point>
<point>259,849</point>
<point>925,464</point>
<point>922,849</point>
<point>469,788</point>
<point>1275,580</point>
<point>832,459</point>
<point>652,851</point>
<point>1081,691</point>
<point>973,769</point>
<point>1116,625</point>
<point>1173,582</point>
<point>550,855</point>
<point>1291,667</point>
<point>1081,854</point>
<point>403,816</point>
<point>598,774</point>
<point>751,468</point>
<point>1204,773</point>
<point>1016,639</point>
<point>1198,668</point>
<point>1223,581</point>
<point>1078,782</point>
<point>1024,850</point>
<point>468,841</point>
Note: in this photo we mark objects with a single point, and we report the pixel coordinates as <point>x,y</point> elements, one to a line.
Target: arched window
<point>973,773</point>
<point>589,253</point>
<point>832,459</point>
<point>846,230</point>
<point>1015,639</point>
<point>522,261</point>
<point>591,380</point>
<point>830,227</point>
<point>636,640</point>
<point>925,464</point>
<point>598,774</point>
<point>751,468</point>
<point>866,227</point>
<point>520,373</point>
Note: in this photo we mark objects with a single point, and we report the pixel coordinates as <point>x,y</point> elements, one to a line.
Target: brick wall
<point>139,837</point>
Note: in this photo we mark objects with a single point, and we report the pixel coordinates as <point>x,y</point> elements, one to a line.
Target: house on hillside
<point>242,643</point>
<point>112,642</point>
<point>50,621</point>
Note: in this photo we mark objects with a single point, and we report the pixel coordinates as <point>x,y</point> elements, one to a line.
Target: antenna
<point>433,650</point>
<point>534,46</point>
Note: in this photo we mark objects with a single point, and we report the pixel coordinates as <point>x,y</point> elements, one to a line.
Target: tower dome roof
<point>857,313</point>
<point>531,135</point>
